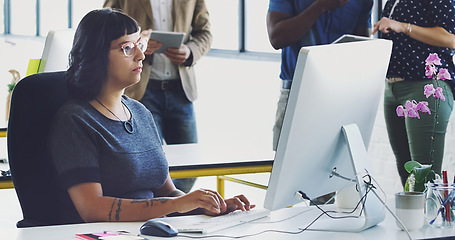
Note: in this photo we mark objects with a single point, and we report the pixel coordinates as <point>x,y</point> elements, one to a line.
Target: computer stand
<point>373,207</point>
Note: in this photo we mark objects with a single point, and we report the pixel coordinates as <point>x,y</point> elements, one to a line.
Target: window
<point>81,7</point>
<point>53,16</point>
<point>2,17</point>
<point>23,17</point>
<point>224,23</point>
<point>236,25</point>
<point>256,35</point>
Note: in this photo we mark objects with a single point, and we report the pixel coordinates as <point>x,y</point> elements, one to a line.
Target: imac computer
<point>327,127</point>
<point>56,51</point>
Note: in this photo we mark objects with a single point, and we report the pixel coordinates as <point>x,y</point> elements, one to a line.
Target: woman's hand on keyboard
<point>239,202</point>
<point>210,202</point>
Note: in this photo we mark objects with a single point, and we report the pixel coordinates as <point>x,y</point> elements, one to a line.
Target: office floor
<point>235,111</point>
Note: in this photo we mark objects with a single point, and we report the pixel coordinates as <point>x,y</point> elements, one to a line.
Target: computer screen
<point>56,51</point>
<point>334,85</point>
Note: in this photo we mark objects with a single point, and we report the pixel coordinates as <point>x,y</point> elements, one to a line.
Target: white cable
<point>395,216</point>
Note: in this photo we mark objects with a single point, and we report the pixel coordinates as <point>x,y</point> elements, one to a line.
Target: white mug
<point>409,208</point>
<point>348,198</point>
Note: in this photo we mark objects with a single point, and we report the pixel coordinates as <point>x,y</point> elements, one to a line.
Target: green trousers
<point>411,138</point>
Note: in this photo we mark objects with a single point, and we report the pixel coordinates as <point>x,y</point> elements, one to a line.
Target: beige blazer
<point>190,17</point>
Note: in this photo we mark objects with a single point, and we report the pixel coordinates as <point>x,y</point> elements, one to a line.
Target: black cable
<point>369,187</point>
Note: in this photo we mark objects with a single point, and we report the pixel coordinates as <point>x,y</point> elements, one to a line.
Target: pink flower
<point>433,59</point>
<point>423,107</point>
<point>413,113</point>
<point>443,74</point>
<point>438,94</point>
<point>430,70</point>
<point>428,90</point>
<point>412,108</point>
<point>401,112</point>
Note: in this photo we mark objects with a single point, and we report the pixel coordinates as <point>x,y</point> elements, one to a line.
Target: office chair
<point>35,101</point>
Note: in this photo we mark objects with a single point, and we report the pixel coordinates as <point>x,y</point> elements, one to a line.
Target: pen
<point>446,194</point>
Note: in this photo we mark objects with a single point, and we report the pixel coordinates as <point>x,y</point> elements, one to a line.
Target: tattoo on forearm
<point>149,202</point>
<point>112,207</point>
<point>117,212</point>
<point>146,201</point>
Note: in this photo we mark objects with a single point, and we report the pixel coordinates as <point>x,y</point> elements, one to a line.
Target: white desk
<point>385,230</point>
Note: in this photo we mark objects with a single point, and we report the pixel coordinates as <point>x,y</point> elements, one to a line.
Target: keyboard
<point>211,224</point>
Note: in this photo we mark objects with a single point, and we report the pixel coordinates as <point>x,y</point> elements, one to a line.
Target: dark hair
<point>88,59</point>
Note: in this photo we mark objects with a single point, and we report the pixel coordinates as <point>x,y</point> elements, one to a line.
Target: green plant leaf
<point>422,173</point>
<point>419,187</point>
<point>411,165</point>
<point>11,87</point>
<point>431,176</point>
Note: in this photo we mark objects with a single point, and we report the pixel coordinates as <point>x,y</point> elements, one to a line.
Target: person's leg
<point>418,132</point>
<point>396,130</point>
<point>180,128</point>
<point>421,132</point>
<point>279,117</point>
<point>154,101</point>
<point>180,120</point>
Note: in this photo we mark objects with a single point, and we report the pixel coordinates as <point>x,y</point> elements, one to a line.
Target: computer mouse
<point>158,228</point>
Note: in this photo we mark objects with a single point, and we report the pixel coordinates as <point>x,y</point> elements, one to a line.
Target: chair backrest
<point>34,103</point>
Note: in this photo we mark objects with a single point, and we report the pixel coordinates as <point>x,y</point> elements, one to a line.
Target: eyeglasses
<point>128,47</point>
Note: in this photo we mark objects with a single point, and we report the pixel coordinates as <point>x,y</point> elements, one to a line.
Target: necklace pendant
<point>128,127</point>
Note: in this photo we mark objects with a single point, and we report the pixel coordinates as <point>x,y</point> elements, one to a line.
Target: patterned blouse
<point>408,55</point>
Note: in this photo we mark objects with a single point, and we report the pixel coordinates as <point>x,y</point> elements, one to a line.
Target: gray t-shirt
<point>86,146</point>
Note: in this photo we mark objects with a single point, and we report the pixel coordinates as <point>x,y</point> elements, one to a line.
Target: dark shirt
<point>329,26</point>
<point>86,146</point>
<point>409,55</point>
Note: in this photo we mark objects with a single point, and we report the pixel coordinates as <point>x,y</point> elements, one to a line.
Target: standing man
<point>168,84</point>
<point>293,24</point>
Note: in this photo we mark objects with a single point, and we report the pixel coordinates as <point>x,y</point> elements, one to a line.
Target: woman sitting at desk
<point>105,145</point>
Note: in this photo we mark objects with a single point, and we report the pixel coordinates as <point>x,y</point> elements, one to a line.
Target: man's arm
<point>285,29</point>
<point>201,37</point>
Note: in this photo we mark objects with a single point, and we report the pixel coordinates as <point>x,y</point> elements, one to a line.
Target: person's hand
<point>209,201</point>
<point>152,46</point>
<point>332,4</point>
<point>387,25</point>
<point>178,55</point>
<point>239,202</point>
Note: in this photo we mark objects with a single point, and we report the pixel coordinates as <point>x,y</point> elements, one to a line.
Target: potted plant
<point>420,174</point>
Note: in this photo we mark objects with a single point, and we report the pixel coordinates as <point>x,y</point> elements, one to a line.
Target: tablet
<point>168,39</point>
<point>350,38</point>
